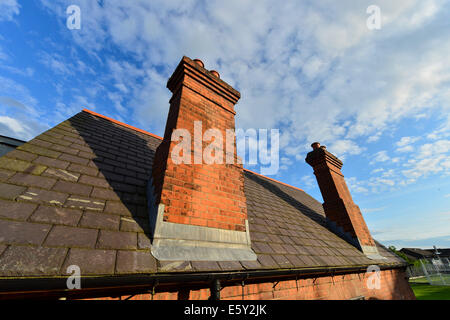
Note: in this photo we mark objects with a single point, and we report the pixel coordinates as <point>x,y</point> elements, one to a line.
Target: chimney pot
<point>199,62</point>
<point>215,73</point>
<point>323,147</point>
<point>315,145</point>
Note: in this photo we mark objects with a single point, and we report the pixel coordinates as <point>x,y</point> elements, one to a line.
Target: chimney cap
<point>315,145</point>
<point>199,62</point>
<point>215,73</point>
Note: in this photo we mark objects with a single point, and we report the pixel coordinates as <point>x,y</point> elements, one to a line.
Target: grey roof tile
<point>97,220</point>
<point>106,194</point>
<point>96,182</point>
<point>278,248</point>
<point>29,147</point>
<point>83,169</point>
<point>61,174</point>
<point>27,261</point>
<point>22,155</point>
<point>144,241</point>
<point>205,265</point>
<point>251,265</point>
<point>50,162</point>
<point>135,262</point>
<point>91,261</point>
<point>5,174</point>
<point>84,203</point>
<point>10,191</point>
<point>116,207</point>
<point>134,224</point>
<point>16,210</point>
<point>15,232</point>
<point>62,236</point>
<point>73,188</point>
<point>230,265</point>
<point>174,266</point>
<point>73,159</point>
<point>41,196</point>
<point>117,240</point>
<point>282,261</point>
<point>262,247</point>
<point>57,215</point>
<point>267,261</point>
<point>294,260</point>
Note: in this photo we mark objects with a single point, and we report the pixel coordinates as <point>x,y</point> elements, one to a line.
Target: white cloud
<point>312,69</point>
<point>19,111</point>
<point>432,158</point>
<point>370,210</point>
<point>405,144</point>
<point>18,129</point>
<point>380,156</point>
<point>356,186</point>
<point>285,162</point>
<point>3,55</point>
<point>416,227</point>
<point>8,9</point>
<point>57,63</point>
<point>405,141</point>
<point>308,182</point>
<point>343,147</point>
<point>25,72</point>
<point>408,148</point>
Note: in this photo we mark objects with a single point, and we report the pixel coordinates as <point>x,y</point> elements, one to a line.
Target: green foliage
<point>403,256</point>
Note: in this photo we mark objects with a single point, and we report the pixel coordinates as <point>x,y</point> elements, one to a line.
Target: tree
<point>401,255</point>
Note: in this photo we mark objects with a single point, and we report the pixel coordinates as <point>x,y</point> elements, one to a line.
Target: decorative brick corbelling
<point>188,68</point>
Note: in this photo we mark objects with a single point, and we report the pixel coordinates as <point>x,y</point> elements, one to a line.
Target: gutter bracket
<point>243,284</point>
<point>155,284</point>
<point>276,283</point>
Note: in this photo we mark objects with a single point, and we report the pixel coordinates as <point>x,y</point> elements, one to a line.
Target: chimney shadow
<point>303,208</point>
<point>306,210</point>
<point>113,147</point>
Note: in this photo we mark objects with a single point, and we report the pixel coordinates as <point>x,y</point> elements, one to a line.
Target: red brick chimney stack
<point>341,212</point>
<point>199,198</point>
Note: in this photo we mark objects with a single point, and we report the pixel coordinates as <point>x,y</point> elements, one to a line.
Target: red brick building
<point>106,197</point>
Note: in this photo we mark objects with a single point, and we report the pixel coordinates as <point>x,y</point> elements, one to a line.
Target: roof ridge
<point>158,137</point>
<point>121,123</point>
<point>285,184</point>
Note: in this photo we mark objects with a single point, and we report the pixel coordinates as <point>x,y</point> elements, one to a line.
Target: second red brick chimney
<point>343,215</point>
<point>199,210</point>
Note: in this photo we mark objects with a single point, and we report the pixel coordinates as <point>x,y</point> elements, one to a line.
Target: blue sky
<point>378,99</point>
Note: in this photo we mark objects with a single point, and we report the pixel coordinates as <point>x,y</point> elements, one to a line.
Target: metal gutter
<point>116,286</point>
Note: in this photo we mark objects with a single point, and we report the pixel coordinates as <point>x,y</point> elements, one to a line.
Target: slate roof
<point>7,144</point>
<point>416,253</point>
<point>76,195</point>
<point>442,252</point>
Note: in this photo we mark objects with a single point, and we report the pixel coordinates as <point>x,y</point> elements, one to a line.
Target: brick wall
<point>393,285</point>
